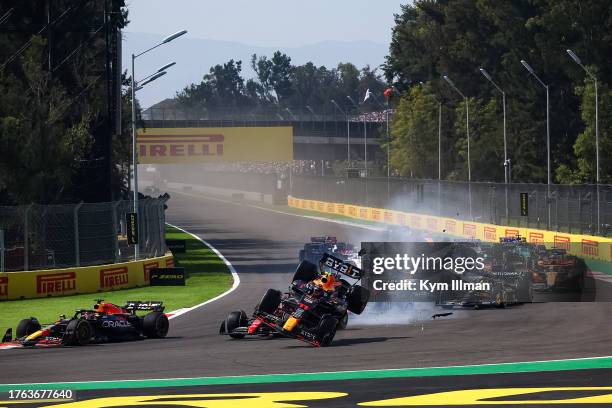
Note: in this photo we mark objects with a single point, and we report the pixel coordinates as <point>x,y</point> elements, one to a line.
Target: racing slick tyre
<point>234,320</point>
<point>327,331</point>
<point>270,301</point>
<point>155,325</point>
<point>358,299</point>
<point>78,333</point>
<point>306,271</point>
<point>343,322</point>
<point>27,327</point>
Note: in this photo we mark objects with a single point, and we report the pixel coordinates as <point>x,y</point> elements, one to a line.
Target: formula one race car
<point>320,299</point>
<point>238,324</point>
<point>314,250</point>
<point>557,270</point>
<point>106,322</point>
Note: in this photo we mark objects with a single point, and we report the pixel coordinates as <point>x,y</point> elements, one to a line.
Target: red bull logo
<point>110,278</point>
<point>490,234</point>
<point>51,283</point>
<point>179,146</point>
<point>4,286</point>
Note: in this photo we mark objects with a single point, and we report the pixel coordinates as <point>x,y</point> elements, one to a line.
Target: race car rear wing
<point>340,266</point>
<point>154,305</point>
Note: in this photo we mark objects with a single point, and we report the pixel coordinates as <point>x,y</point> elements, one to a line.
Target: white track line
<point>235,276</point>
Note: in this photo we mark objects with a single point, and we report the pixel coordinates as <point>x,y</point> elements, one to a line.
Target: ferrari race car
<point>106,322</point>
<point>320,299</point>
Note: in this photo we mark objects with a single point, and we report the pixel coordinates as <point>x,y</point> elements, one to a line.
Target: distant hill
<point>195,56</point>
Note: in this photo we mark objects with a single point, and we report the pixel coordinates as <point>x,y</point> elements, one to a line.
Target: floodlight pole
<point>549,180</point>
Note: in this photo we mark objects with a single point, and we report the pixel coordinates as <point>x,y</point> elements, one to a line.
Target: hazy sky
<point>283,23</point>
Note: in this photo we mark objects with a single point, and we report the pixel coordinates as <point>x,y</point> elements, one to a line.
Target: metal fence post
<point>26,239</point>
<point>116,237</point>
<point>1,250</point>
<point>77,244</point>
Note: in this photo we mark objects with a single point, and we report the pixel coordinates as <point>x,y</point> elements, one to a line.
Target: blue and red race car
<point>106,322</point>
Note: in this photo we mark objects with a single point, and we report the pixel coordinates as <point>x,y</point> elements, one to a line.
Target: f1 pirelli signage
<point>587,246</point>
<point>205,145</point>
<point>92,279</point>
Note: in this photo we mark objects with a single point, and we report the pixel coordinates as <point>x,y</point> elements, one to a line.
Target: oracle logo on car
<point>4,286</point>
<point>55,283</point>
<point>110,278</point>
<point>181,145</point>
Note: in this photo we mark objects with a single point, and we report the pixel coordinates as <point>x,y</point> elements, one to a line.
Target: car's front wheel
<point>27,327</point>
<point>234,320</point>
<point>327,331</point>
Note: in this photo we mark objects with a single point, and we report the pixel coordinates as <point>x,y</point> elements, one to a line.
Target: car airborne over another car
<point>321,298</point>
<point>106,322</point>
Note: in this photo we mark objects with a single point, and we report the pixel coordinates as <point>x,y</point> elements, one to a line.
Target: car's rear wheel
<point>78,333</point>
<point>234,320</point>
<point>270,301</point>
<point>327,331</point>
<point>306,271</point>
<point>27,327</point>
<point>155,325</point>
<point>358,299</point>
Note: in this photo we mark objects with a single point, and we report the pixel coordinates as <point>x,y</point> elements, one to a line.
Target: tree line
<point>433,38</point>
<point>54,130</point>
<point>278,83</point>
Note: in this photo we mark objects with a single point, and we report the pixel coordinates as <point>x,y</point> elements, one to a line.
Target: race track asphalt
<point>263,246</point>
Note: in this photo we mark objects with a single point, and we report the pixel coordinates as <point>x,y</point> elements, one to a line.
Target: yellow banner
<point>70,281</point>
<point>587,246</point>
<point>206,145</point>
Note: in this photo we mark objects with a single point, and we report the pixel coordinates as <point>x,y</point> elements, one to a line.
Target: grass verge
<point>207,275</point>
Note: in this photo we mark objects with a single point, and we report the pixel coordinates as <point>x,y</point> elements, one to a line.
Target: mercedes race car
<point>106,322</point>
<point>321,298</point>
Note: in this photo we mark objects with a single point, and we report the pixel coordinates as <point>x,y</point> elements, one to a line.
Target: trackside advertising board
<point>209,145</point>
<point>587,246</point>
<point>70,281</point>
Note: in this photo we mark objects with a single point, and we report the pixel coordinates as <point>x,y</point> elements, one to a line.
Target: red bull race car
<point>106,322</point>
<point>315,308</point>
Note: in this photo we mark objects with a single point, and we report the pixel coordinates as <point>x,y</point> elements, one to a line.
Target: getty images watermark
<point>512,271</point>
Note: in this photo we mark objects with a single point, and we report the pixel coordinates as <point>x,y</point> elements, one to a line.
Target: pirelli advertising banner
<point>599,248</point>
<point>71,281</point>
<point>206,145</point>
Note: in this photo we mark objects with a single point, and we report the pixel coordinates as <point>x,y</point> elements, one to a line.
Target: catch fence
<point>34,237</point>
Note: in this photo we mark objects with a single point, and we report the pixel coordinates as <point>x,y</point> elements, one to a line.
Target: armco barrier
<point>588,246</point>
<point>71,281</point>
